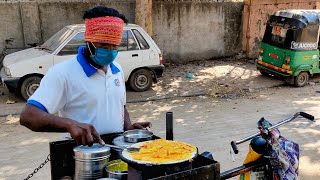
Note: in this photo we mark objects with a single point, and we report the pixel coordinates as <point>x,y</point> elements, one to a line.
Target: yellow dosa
<point>161,151</point>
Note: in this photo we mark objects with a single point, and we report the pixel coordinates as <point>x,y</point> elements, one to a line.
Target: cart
<point>202,167</point>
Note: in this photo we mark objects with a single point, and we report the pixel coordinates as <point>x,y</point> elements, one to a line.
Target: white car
<point>139,57</point>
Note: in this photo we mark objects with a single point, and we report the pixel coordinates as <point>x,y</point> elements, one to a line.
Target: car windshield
<point>54,42</point>
<point>278,36</point>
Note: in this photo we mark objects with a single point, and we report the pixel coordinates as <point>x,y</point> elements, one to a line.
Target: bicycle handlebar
<point>303,114</point>
<point>307,116</point>
<point>234,147</point>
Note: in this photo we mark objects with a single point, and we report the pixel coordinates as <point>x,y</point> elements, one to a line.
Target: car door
<point>129,56</point>
<point>70,49</point>
<point>150,56</point>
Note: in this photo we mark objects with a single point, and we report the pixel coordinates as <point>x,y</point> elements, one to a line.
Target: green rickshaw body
<point>300,61</point>
<point>290,44</point>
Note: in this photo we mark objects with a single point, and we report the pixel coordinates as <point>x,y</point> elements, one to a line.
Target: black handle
<point>234,147</point>
<point>207,155</point>
<point>306,115</point>
<point>135,55</point>
<point>169,126</point>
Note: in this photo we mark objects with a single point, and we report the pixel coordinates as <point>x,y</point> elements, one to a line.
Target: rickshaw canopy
<point>296,18</point>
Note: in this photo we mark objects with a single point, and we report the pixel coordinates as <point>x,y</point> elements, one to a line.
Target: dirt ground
<point>226,78</point>
<point>234,96</point>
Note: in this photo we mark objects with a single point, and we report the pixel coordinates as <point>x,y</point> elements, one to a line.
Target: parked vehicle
<point>271,156</point>
<point>290,46</point>
<point>139,57</point>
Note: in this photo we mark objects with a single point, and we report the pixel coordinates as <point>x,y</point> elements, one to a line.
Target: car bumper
<point>157,70</point>
<point>10,82</point>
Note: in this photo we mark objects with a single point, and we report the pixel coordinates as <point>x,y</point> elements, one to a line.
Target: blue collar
<point>88,68</point>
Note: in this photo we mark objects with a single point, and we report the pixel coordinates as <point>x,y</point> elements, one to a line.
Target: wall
<point>256,14</point>
<point>11,26</point>
<point>144,15</point>
<point>194,30</point>
<point>29,22</point>
<point>185,30</point>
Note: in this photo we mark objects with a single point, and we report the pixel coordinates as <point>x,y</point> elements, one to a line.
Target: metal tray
<point>119,141</point>
<point>137,135</point>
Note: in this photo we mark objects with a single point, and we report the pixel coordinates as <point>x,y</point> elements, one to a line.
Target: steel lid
<point>137,135</point>
<point>96,151</point>
<point>119,141</point>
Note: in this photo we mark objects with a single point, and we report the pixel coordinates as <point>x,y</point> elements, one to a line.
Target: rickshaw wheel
<point>302,79</point>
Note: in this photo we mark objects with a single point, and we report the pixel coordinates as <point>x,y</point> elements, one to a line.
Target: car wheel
<point>29,86</point>
<point>302,79</point>
<point>140,80</point>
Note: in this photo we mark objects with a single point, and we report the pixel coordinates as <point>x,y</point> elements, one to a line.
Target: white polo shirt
<point>83,93</point>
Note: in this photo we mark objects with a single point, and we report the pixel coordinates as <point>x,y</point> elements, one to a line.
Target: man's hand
<point>84,134</point>
<point>140,125</point>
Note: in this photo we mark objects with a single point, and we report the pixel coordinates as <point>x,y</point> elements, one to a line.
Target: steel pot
<point>90,162</point>
<point>119,141</point>
<point>117,169</point>
<point>137,135</point>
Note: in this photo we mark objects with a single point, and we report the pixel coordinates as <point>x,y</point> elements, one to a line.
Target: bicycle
<point>263,161</point>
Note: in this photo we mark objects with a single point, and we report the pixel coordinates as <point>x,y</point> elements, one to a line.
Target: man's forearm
<point>40,121</point>
<point>138,125</point>
<point>127,121</point>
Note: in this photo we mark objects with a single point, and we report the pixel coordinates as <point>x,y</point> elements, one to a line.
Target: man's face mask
<point>103,57</point>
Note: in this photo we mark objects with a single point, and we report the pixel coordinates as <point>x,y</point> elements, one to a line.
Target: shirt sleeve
<point>37,104</point>
<point>52,91</point>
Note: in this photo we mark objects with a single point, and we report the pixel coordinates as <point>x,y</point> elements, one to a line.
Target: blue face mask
<point>103,57</point>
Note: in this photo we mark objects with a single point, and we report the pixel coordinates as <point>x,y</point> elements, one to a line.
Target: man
<point>87,91</point>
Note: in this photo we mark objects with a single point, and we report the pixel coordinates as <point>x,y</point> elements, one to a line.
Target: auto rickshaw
<point>290,46</point>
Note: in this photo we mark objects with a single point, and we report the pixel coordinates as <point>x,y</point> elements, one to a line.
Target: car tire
<point>29,86</point>
<point>140,80</point>
<point>302,79</point>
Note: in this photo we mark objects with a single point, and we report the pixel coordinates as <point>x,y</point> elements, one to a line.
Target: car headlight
<point>7,71</point>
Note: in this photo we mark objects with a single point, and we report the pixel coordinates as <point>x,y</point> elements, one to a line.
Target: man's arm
<point>127,121</point>
<point>37,120</point>
<point>129,126</point>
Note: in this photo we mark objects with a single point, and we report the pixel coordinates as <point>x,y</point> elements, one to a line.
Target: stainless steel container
<point>90,162</point>
<point>137,135</point>
<point>115,170</point>
<point>119,141</point>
